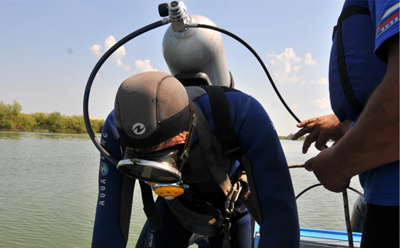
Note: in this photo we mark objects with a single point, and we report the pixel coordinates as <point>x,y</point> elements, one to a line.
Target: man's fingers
<point>310,139</point>
<point>305,130</point>
<point>309,164</point>
<point>307,122</point>
<point>300,133</point>
<point>321,142</point>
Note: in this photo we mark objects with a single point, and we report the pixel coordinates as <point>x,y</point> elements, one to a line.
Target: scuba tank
<point>195,57</point>
<point>197,50</point>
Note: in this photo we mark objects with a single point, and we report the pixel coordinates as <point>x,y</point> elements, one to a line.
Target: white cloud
<point>286,66</point>
<point>116,57</point>
<point>142,66</point>
<point>308,60</point>
<point>322,81</point>
<point>95,50</point>
<point>294,106</point>
<point>322,103</point>
<point>296,68</point>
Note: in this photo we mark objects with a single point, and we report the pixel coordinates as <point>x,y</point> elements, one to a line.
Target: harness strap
<point>208,150</point>
<point>222,122</point>
<point>215,166</point>
<point>344,75</point>
<point>209,223</point>
<point>125,205</point>
<point>249,199</point>
<point>149,206</point>
<point>232,149</point>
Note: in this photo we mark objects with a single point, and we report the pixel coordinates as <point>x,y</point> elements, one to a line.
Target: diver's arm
<point>271,179</point>
<point>374,139</point>
<point>108,229</point>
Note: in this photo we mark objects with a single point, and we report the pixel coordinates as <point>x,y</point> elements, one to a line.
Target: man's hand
<point>321,130</point>
<point>327,171</point>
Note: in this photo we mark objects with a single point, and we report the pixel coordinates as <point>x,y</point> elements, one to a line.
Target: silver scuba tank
<point>197,50</point>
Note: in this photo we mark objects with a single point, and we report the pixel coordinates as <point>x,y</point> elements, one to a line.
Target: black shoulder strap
<point>222,122</point>
<point>208,149</point>
<point>149,206</point>
<point>232,149</point>
<point>344,75</point>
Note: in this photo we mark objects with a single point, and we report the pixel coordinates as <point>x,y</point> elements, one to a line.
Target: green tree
<point>41,120</point>
<point>26,122</point>
<point>55,122</point>
<point>75,123</point>
<point>8,115</point>
<point>97,125</point>
<point>16,108</point>
<point>11,119</point>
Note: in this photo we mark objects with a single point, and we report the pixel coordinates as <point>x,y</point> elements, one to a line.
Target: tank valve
<point>177,13</point>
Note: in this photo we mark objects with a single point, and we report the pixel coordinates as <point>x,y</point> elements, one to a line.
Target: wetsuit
<point>273,187</point>
<point>357,61</point>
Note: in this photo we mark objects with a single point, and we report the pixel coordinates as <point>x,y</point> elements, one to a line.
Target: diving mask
<point>161,166</point>
<point>157,167</point>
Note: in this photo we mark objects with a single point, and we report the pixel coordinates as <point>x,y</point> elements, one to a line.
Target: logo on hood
<point>138,129</point>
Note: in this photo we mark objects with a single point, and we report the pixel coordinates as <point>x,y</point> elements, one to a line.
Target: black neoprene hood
<point>150,108</point>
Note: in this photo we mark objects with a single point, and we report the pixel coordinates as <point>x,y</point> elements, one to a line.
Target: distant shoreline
<point>288,137</point>
<point>11,119</point>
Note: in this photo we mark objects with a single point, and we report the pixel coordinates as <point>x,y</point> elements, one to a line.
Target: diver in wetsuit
<point>159,102</point>
<point>158,121</point>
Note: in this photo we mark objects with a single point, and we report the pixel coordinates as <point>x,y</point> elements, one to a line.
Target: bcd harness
<point>213,222</point>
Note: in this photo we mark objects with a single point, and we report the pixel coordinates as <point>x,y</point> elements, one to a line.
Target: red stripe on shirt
<point>394,15</point>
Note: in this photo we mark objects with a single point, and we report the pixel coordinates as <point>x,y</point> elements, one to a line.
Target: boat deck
<point>314,238</point>
<point>319,238</point>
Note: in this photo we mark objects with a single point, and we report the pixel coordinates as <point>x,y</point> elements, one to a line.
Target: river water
<point>48,191</point>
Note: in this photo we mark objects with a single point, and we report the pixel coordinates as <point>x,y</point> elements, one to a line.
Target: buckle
<point>232,197</point>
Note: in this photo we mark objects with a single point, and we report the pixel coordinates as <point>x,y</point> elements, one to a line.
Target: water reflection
<point>38,135</point>
<point>10,135</point>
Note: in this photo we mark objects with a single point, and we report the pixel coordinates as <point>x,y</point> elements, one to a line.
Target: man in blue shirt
<point>364,93</point>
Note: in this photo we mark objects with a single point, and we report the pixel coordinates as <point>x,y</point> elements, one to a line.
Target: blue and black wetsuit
<point>271,179</point>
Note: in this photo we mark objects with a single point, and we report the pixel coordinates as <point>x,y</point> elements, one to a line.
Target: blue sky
<point>49,48</point>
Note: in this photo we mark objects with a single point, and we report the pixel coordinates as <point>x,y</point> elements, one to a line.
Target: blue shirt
<point>363,36</point>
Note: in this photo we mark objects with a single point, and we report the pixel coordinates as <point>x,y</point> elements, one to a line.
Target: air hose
<point>345,204</point>
<point>255,55</point>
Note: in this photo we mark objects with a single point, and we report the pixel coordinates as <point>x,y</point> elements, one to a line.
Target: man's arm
<point>267,172</point>
<point>114,204</point>
<point>374,140</point>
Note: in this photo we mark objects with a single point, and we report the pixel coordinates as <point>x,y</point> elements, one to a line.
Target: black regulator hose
<point>255,55</point>
<point>93,75</point>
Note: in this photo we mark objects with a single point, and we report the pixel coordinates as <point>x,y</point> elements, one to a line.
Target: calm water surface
<point>48,191</point>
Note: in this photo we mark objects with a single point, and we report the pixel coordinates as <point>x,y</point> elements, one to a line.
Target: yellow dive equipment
<point>169,191</point>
